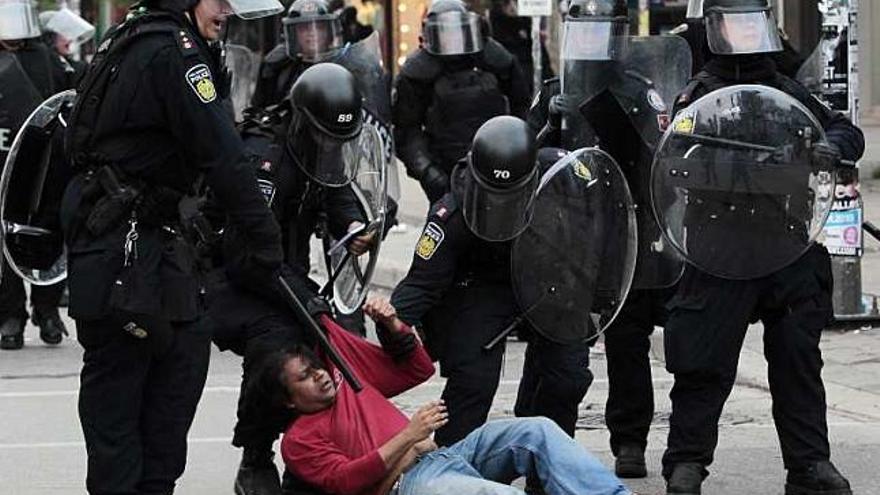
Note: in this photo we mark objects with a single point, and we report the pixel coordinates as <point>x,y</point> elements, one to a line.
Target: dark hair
<point>268,386</point>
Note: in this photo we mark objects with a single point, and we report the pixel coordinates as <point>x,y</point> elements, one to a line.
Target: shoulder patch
<point>199,79</point>
<point>431,238</point>
<point>267,188</point>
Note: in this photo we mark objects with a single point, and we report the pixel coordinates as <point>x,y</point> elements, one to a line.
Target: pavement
<point>42,451</point>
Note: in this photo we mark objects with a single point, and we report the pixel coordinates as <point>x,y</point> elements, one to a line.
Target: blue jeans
<point>489,459</point>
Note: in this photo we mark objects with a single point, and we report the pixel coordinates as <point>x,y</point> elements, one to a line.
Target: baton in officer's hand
<point>323,341</point>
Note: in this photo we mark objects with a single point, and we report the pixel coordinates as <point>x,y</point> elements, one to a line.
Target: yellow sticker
<point>430,241</point>
<point>685,125</point>
<point>199,79</point>
<point>581,170</point>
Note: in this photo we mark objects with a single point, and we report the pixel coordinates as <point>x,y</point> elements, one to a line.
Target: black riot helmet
<point>245,9</point>
<point>326,123</point>
<point>497,187</point>
<point>449,28</point>
<point>595,30</point>
<point>312,32</point>
<point>740,27</point>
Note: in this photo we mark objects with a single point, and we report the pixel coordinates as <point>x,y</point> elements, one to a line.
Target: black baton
<point>323,341</point>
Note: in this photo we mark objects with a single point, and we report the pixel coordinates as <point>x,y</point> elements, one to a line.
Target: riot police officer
<point>615,103</point>
<point>147,129</point>
<point>459,290</point>
<point>709,315</point>
<point>305,158</point>
<point>457,80</point>
<point>312,34</point>
<point>63,30</point>
<point>27,78</point>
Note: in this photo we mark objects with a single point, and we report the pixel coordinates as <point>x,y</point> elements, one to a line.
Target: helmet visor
<point>71,26</point>
<point>254,9</point>
<point>314,38</point>
<point>18,21</point>
<point>594,39</point>
<point>741,33</point>
<point>453,33</point>
<point>494,214</point>
<point>328,160</point>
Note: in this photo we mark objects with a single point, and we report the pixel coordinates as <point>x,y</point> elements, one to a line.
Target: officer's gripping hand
<point>560,106</point>
<point>362,243</point>
<point>825,157</point>
<point>394,335</point>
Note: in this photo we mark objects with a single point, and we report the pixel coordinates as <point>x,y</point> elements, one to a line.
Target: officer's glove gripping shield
<point>741,183</point>
<point>573,266</point>
<point>453,33</point>
<point>31,187</point>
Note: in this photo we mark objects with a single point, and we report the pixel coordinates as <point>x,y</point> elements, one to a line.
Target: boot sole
<point>799,490</point>
<point>631,471</point>
<point>11,346</point>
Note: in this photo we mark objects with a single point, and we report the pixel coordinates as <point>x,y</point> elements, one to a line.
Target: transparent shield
<point>734,187</point>
<point>73,27</point>
<point>31,186</point>
<point>573,266</point>
<point>255,9</point>
<point>244,66</point>
<point>353,274</point>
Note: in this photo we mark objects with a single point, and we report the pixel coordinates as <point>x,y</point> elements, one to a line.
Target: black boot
<point>52,329</point>
<point>630,462</point>
<point>685,479</point>
<point>257,474</point>
<point>12,334</point>
<point>819,478</point>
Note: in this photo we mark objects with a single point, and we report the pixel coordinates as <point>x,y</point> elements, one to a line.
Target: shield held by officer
<point>735,185</point>
<point>573,266</point>
<point>32,184</point>
<point>349,274</point>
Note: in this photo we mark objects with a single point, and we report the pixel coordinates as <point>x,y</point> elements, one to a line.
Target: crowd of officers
<point>152,110</point>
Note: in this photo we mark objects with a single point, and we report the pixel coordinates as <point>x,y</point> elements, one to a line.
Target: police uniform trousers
<point>136,405</point>
<point>555,377</point>
<point>704,335</point>
<point>13,297</point>
<point>630,405</point>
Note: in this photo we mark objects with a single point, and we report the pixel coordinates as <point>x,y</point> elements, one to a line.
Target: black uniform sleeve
<point>517,90</point>
<point>198,120</point>
<point>433,267</point>
<point>539,115</point>
<point>342,209</point>
<point>409,109</point>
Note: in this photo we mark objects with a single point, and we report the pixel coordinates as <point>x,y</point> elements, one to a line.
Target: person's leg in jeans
<point>504,450</point>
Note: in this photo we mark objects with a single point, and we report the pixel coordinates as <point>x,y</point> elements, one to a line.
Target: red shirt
<point>337,449</point>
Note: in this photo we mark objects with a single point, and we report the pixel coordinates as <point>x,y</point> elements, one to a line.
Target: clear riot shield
<point>734,186</point>
<point>244,68</point>
<point>31,186</point>
<point>364,60</point>
<point>645,79</point>
<point>573,266</point>
<point>349,276</point>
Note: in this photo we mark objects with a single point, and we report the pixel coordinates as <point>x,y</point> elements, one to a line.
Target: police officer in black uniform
<point>458,289</point>
<point>312,34</point>
<point>62,29</point>
<point>20,35</point>
<point>709,315</point>
<point>623,114</point>
<point>303,160</point>
<point>147,128</point>
<point>457,80</point>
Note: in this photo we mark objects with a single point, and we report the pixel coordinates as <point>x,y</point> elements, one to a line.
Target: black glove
<point>560,106</point>
<point>825,157</point>
<point>398,345</point>
<point>435,182</point>
<point>317,306</point>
